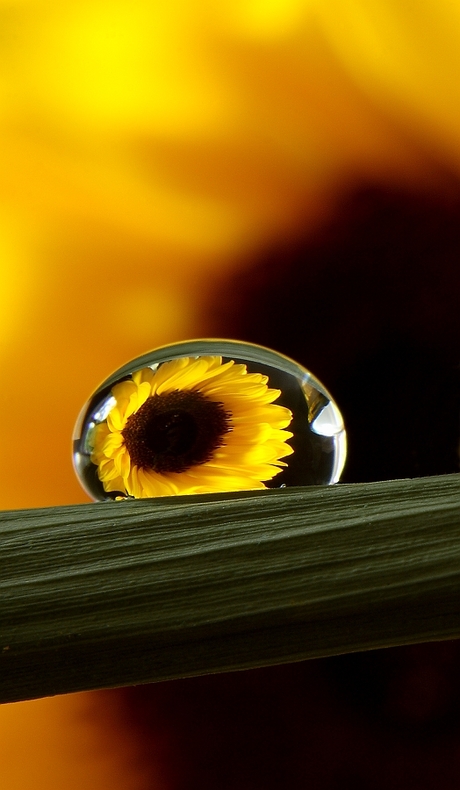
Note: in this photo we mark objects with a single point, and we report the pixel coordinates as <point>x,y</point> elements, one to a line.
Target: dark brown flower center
<point>172,432</point>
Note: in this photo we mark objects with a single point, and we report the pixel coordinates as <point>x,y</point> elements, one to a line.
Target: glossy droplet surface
<point>208,416</point>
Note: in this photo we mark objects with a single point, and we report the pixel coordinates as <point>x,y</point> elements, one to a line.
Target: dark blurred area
<point>371,305</point>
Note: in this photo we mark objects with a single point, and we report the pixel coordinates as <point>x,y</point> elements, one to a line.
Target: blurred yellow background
<point>146,148</point>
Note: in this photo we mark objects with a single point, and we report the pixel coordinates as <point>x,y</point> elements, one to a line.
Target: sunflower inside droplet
<point>188,426</point>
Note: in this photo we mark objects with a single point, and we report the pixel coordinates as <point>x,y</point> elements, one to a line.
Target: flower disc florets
<point>175,431</point>
<point>192,425</point>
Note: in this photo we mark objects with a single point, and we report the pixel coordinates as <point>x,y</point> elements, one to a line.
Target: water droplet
<point>208,416</point>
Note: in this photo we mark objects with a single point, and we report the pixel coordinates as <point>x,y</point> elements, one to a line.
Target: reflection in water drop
<point>208,416</point>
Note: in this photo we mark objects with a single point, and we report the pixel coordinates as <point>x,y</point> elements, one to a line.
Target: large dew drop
<point>190,434</point>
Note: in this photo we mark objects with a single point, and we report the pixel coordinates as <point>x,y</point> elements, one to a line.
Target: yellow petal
<point>167,371</point>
